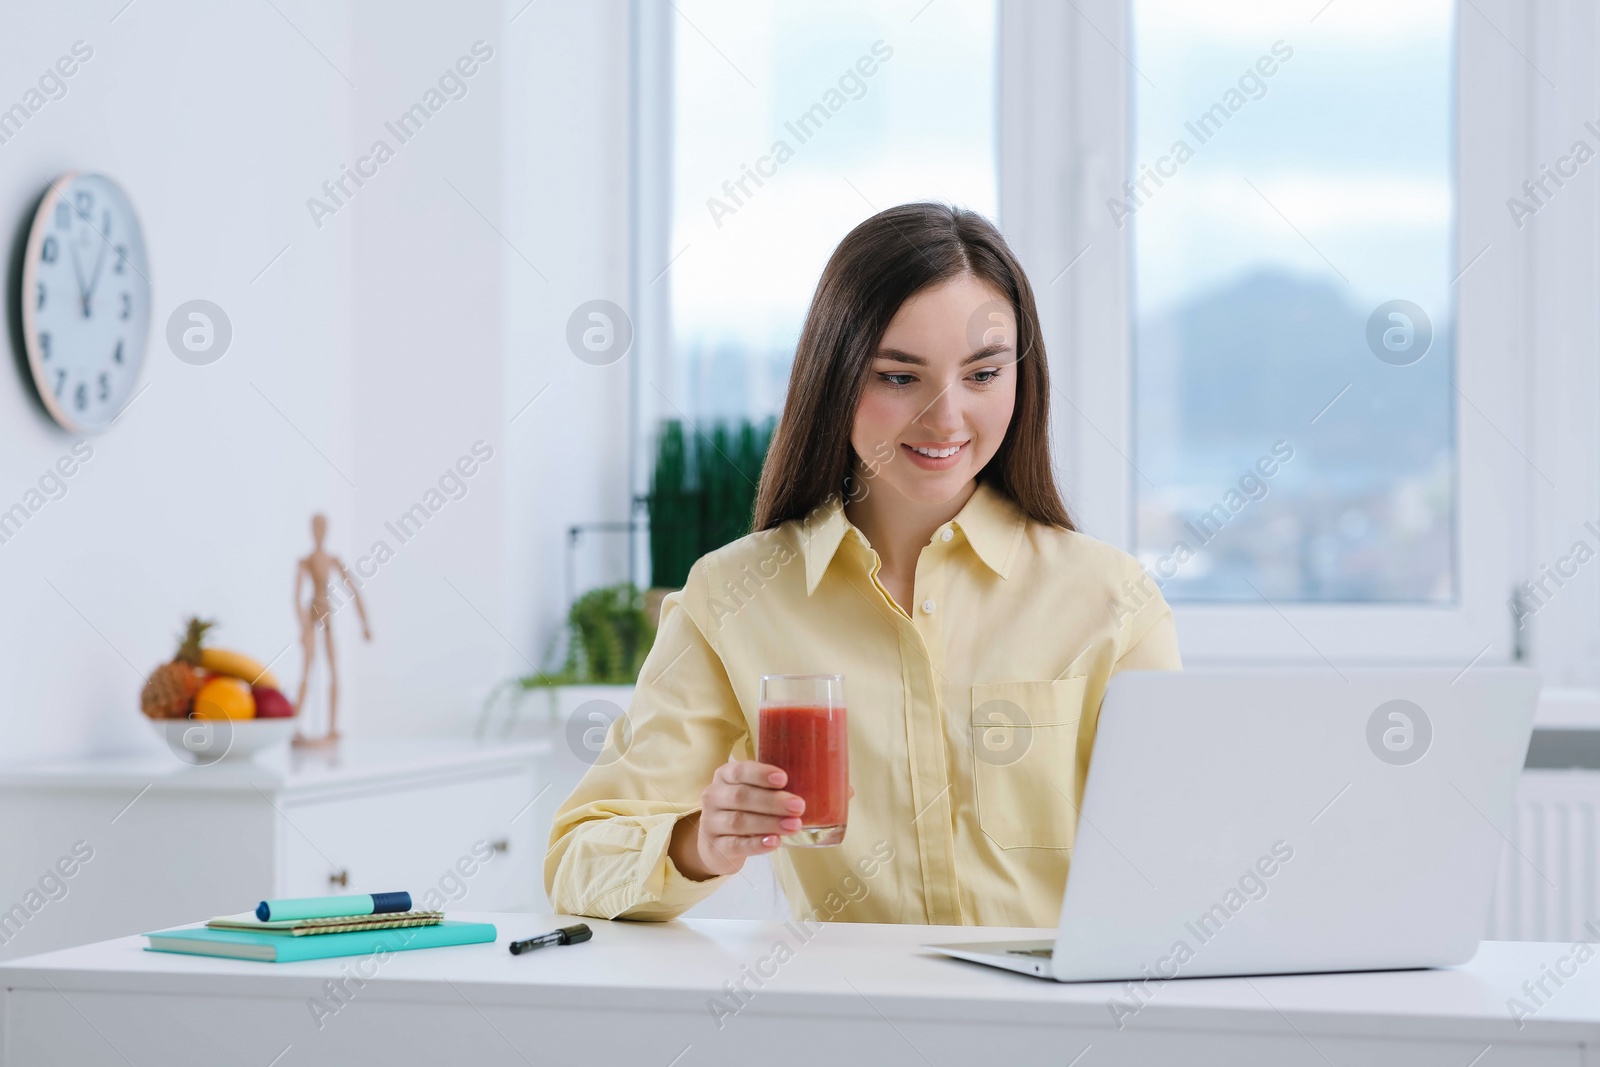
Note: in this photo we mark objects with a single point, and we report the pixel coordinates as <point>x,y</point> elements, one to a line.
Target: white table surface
<point>658,980</point>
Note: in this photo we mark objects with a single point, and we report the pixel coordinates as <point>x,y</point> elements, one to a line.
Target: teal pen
<point>330,907</point>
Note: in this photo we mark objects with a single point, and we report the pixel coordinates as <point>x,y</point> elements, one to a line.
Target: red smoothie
<point>811,744</point>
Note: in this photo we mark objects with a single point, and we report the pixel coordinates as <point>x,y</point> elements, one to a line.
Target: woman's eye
<point>984,377</point>
<point>896,379</point>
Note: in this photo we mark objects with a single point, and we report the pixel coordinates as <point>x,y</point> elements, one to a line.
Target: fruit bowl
<point>204,741</point>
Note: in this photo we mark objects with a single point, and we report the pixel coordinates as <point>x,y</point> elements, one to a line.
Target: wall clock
<point>85,301</point>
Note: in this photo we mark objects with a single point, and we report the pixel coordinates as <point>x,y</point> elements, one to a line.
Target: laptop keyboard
<point>1044,953</point>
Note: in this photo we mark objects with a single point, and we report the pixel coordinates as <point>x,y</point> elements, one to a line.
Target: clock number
<point>44,346</point>
<point>41,296</point>
<point>105,387</point>
<point>80,396</point>
<point>127,306</point>
<point>116,357</point>
<point>85,203</point>
<point>105,224</point>
<point>122,258</point>
<point>63,216</point>
<point>61,379</point>
<point>48,253</point>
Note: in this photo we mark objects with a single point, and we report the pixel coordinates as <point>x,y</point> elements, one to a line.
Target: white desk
<point>639,995</point>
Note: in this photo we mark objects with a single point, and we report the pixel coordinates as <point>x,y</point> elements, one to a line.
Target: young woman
<point>909,536</point>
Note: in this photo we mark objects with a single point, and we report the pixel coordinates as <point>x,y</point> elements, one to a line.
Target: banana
<point>237,665</point>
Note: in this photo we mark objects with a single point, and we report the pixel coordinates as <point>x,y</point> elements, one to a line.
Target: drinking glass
<point>802,730</point>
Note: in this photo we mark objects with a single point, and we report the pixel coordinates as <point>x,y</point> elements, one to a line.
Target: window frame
<point>651,259</point>
<point>1065,148</point>
<point>1562,41</point>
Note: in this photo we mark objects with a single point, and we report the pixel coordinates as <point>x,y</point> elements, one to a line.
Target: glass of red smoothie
<point>802,730</point>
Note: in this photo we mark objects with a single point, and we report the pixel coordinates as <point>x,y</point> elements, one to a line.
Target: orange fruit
<point>224,698</point>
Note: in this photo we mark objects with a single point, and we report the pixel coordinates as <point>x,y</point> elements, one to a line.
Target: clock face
<point>85,301</point>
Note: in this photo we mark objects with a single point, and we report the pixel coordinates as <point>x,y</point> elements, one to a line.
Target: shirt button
<point>946,534</point>
<point>928,606</point>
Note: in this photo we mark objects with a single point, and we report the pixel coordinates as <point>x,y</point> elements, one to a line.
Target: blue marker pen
<point>330,907</point>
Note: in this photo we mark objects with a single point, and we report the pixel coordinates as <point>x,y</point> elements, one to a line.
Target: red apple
<point>271,704</point>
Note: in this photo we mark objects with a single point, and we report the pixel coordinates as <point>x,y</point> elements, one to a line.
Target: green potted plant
<point>702,496</point>
<point>608,635</point>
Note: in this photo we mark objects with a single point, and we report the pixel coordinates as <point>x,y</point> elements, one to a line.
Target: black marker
<point>567,935</point>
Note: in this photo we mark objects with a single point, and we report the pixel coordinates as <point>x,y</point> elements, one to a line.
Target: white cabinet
<point>453,835</point>
<point>150,842</point>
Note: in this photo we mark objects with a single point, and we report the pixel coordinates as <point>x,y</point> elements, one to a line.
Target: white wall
<point>427,291</point>
<point>369,357</point>
<point>567,209</point>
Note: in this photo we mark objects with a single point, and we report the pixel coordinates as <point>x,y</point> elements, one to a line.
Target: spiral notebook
<point>335,924</point>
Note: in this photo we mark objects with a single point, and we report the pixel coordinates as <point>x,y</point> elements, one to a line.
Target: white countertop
<point>866,970</point>
<point>352,761</point>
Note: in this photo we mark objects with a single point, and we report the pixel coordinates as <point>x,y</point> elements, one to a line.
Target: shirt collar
<point>990,521</point>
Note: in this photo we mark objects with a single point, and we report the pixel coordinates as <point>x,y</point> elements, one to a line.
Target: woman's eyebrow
<point>895,355</point>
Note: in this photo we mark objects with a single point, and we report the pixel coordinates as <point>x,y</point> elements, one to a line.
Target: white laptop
<point>1286,821</point>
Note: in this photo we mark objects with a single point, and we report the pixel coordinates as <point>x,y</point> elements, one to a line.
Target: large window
<point>1290,357</point>
<point>1293,217</point>
<point>792,122</point>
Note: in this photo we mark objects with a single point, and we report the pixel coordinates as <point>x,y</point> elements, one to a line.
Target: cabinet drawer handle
<point>341,878</point>
<point>501,845</point>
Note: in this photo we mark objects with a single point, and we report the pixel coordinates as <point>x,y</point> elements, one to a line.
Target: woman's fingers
<point>746,785</point>
<point>756,816</point>
<point>730,822</point>
<point>766,801</point>
<point>741,846</point>
<point>749,772</point>
<point>745,811</point>
<point>726,853</point>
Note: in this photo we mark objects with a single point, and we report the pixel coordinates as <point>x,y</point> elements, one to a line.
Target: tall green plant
<point>702,492</point>
<point>674,509</point>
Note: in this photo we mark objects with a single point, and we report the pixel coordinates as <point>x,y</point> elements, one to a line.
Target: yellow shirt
<point>970,719</point>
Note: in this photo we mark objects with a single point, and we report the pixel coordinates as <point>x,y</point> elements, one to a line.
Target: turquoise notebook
<point>275,948</point>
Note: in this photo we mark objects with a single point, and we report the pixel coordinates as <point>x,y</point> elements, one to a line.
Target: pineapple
<point>169,691</point>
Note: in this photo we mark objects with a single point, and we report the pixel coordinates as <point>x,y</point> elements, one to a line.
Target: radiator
<point>1548,884</point>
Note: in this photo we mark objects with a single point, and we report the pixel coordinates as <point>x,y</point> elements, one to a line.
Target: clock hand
<point>77,273</point>
<point>94,282</point>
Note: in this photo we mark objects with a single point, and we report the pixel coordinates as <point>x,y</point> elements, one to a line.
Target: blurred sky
<point>1352,142</point>
<point>924,127</point>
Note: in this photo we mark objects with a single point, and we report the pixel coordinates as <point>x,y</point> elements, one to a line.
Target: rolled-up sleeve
<point>608,845</point>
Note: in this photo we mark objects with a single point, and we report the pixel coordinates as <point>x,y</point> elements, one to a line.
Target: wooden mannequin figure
<point>318,569</point>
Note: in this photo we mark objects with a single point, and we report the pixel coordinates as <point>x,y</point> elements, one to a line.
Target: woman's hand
<point>742,813</point>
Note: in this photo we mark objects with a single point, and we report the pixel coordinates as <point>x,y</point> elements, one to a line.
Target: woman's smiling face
<point>940,391</point>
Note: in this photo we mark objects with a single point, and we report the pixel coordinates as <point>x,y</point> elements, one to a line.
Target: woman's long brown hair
<point>880,265</point>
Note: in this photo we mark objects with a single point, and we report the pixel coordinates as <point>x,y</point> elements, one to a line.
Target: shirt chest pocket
<point>1024,761</point>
